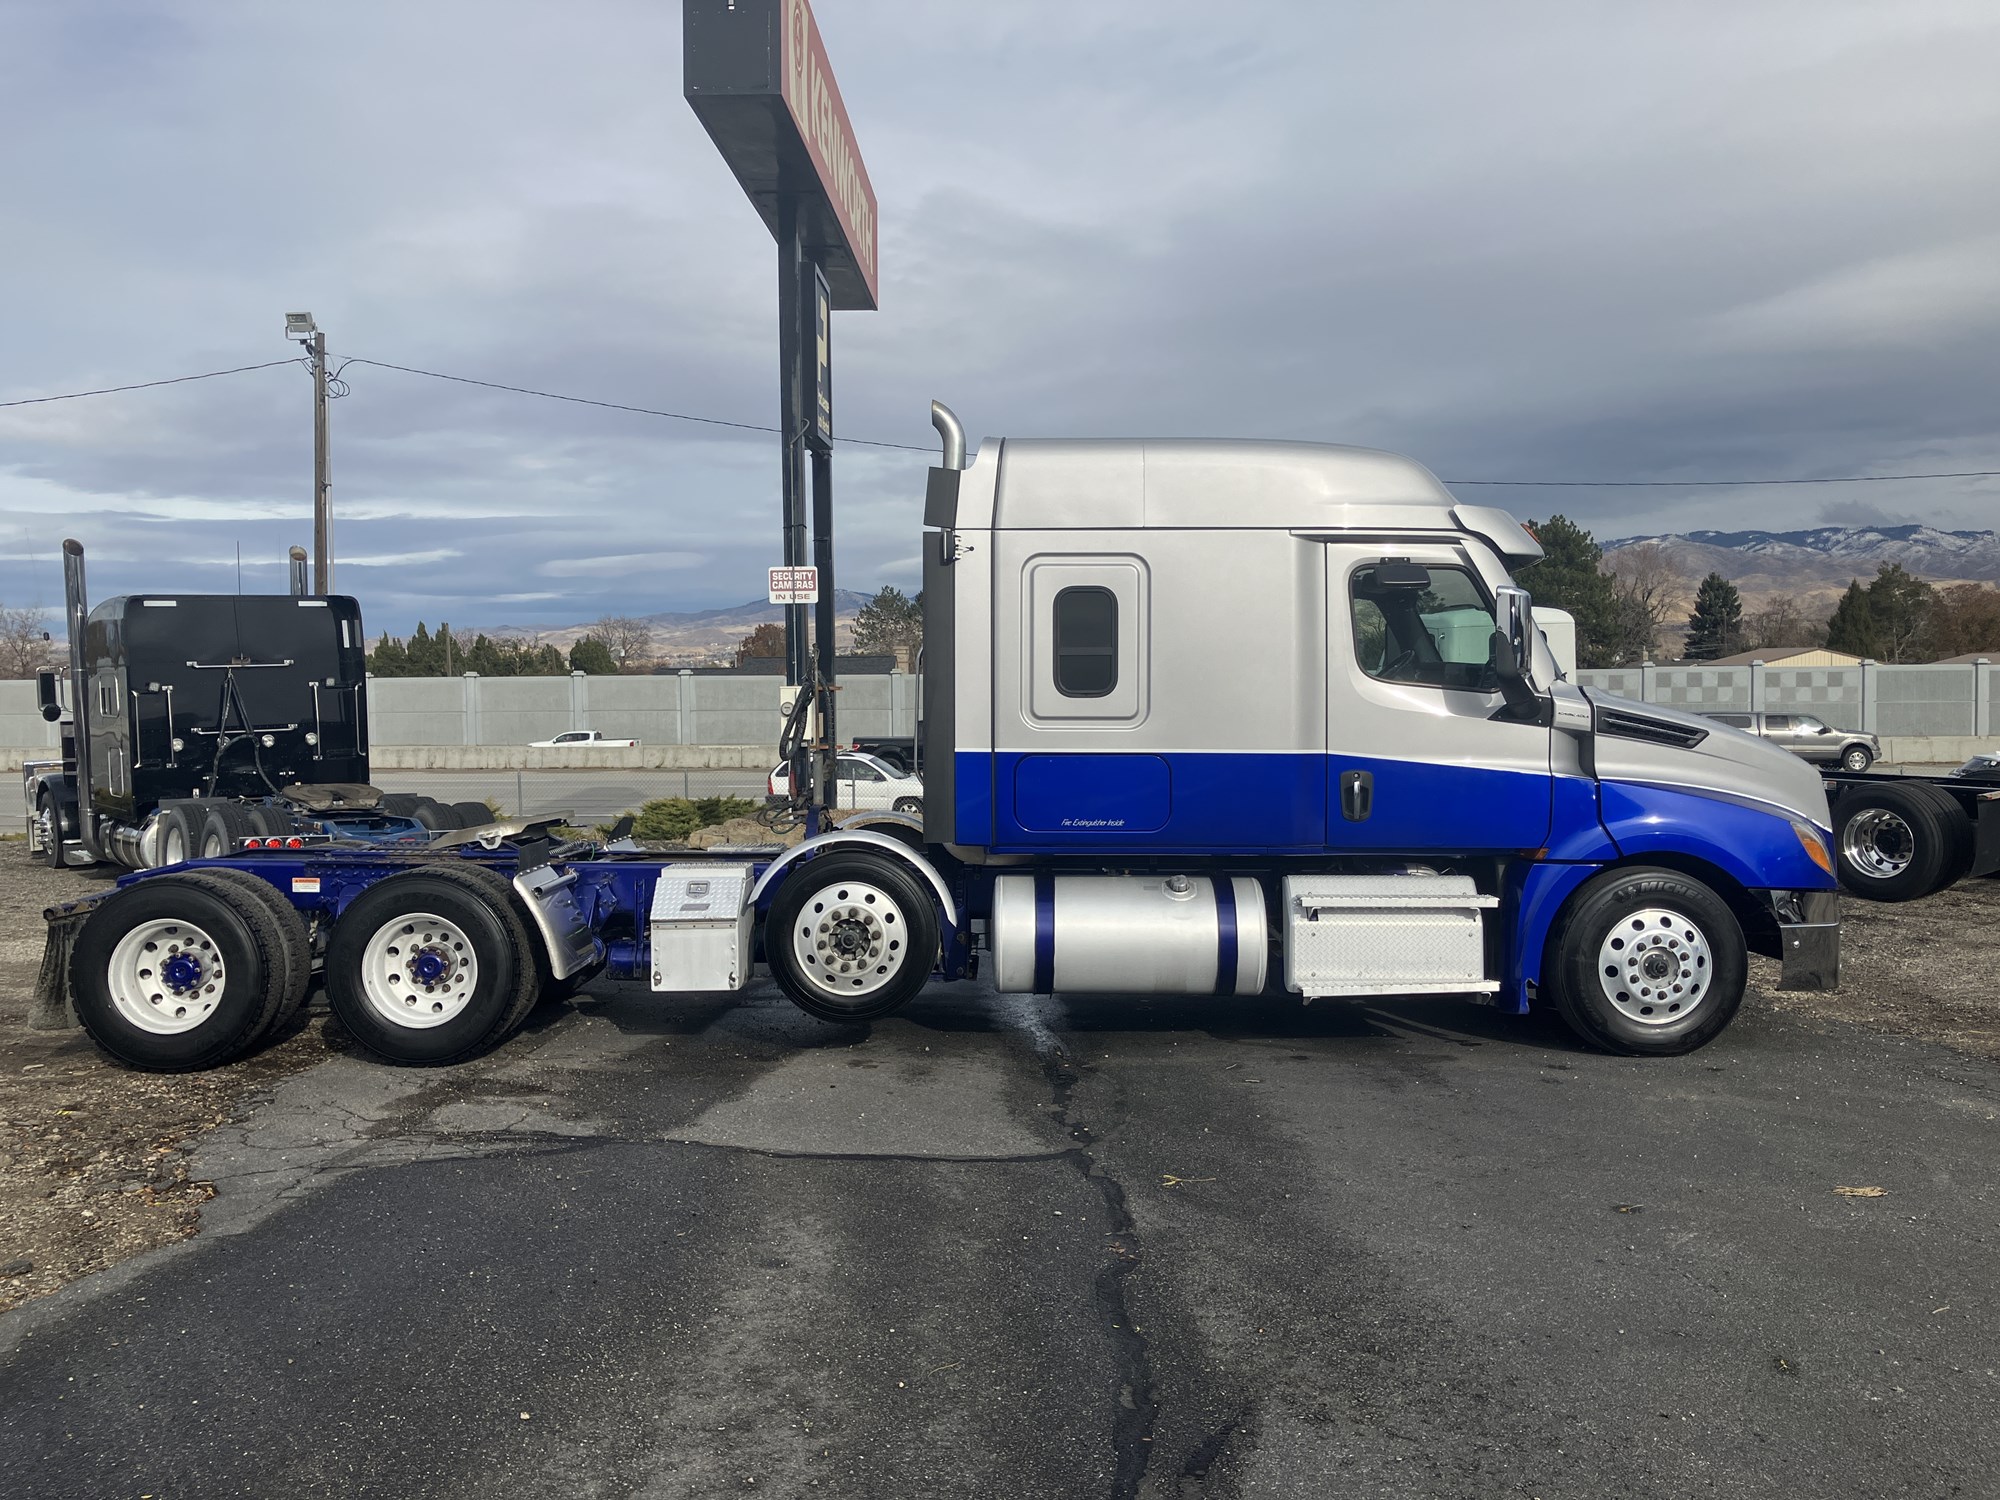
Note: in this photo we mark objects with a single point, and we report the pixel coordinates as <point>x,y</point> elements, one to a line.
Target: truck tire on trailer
<point>402,804</point>
<point>224,827</point>
<point>1893,842</point>
<point>851,937</point>
<point>179,831</point>
<point>1646,962</point>
<point>434,815</point>
<point>472,814</point>
<point>290,927</point>
<point>177,973</point>
<point>1856,758</point>
<point>431,967</point>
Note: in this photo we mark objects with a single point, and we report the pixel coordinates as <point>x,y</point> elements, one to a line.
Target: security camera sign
<point>795,585</point>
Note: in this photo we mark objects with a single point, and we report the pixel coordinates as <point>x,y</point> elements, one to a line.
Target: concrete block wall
<point>1916,702</point>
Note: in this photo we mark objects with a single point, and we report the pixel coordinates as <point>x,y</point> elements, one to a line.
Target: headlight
<point>1815,845</point>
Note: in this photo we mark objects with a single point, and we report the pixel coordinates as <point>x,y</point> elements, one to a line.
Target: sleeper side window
<point>1086,642</point>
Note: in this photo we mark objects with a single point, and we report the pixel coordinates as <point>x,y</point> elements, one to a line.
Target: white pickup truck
<point>576,738</point>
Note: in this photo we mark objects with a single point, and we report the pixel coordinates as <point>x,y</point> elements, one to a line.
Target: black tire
<point>49,813</point>
<point>294,937</point>
<point>1961,836</point>
<point>1631,930</point>
<point>402,804</point>
<point>473,921</point>
<point>224,827</point>
<point>1891,842</point>
<point>569,987</point>
<point>1856,758</point>
<point>180,832</point>
<point>914,806</point>
<point>872,901</point>
<point>271,820</point>
<point>195,917</point>
<point>434,815</point>
<point>472,814</point>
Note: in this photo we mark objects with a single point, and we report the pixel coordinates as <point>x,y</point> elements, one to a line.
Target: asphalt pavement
<point>1053,1248</point>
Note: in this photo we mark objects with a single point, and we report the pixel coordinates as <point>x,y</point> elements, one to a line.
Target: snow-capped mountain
<point>1818,563</point>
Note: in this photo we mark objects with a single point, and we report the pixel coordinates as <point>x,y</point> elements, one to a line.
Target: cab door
<point>1423,756</point>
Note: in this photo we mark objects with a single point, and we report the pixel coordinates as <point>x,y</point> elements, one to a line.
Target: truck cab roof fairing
<point>1054,484</point>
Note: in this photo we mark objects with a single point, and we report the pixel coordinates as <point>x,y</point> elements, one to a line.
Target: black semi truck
<point>193,723</point>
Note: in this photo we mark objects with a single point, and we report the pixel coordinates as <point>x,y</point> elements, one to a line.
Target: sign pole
<point>791,418</point>
<point>816,378</point>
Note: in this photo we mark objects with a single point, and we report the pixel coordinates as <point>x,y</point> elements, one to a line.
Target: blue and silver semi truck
<point>1199,718</point>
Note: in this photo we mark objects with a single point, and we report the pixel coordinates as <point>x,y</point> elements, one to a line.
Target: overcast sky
<point>1644,241</point>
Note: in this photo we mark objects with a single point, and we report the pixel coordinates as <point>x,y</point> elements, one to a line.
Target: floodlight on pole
<point>300,327</point>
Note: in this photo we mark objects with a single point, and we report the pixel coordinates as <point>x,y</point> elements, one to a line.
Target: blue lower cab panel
<point>1241,802</point>
<point>1098,793</point>
<point>1756,847</point>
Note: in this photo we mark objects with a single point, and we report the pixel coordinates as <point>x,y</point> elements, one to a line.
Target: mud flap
<point>1809,939</point>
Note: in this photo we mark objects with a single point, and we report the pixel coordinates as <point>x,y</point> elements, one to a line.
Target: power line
<point>681,416</point>
<point>648,411</point>
<point>1695,484</point>
<point>143,385</point>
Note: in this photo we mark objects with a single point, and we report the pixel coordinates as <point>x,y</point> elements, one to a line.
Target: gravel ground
<point>93,1156</point>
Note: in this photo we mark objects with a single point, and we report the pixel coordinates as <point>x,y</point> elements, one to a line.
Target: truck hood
<point>1725,763</point>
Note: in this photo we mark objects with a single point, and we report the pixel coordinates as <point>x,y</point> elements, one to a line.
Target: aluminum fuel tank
<point>1129,934</point>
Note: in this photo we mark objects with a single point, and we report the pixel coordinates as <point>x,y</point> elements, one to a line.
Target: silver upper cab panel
<point>1023,484</point>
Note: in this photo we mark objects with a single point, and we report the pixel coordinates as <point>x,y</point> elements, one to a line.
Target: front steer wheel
<point>1647,962</point>
<point>851,937</point>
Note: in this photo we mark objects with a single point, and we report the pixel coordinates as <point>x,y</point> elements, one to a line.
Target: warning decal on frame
<point>305,885</point>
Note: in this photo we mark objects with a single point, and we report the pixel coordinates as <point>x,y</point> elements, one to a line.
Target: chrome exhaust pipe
<point>953,432</point>
<point>298,572</point>
<point>76,604</point>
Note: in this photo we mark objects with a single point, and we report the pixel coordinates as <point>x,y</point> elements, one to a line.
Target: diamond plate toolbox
<point>700,928</point>
<point>1385,935</point>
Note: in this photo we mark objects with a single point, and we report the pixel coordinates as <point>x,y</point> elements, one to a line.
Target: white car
<point>862,781</point>
<point>577,738</point>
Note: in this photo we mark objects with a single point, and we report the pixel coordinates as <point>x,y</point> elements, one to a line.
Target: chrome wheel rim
<point>1857,760</point>
<point>45,826</point>
<point>166,977</point>
<point>214,845</point>
<point>850,938</point>
<point>1655,966</point>
<point>173,844</point>
<point>1877,843</point>
<point>418,971</point>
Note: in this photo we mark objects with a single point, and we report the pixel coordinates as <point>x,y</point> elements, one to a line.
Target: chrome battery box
<point>1385,935</point>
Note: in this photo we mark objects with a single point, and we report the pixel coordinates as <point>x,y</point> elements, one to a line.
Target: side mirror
<point>1513,646</point>
<point>46,696</point>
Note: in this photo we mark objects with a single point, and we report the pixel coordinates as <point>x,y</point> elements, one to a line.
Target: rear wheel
<point>49,829</point>
<point>1893,841</point>
<point>402,804</point>
<point>912,805</point>
<point>224,827</point>
<point>851,937</point>
<point>179,830</point>
<point>434,815</point>
<point>271,819</point>
<point>472,814</point>
<point>176,973</point>
<point>295,941</point>
<point>431,967</point>
<point>1647,962</point>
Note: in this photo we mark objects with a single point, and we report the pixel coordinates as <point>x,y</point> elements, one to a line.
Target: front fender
<point>1755,846</point>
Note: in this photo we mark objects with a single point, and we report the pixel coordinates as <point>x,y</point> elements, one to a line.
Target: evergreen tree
<point>389,659</point>
<point>1852,628</point>
<point>888,622</point>
<point>1716,626</point>
<point>593,656</point>
<point>1568,576</point>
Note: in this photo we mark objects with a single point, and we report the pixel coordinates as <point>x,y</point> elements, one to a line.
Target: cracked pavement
<point>1094,1247</point>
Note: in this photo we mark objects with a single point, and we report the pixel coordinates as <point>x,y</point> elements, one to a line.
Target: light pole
<point>300,327</point>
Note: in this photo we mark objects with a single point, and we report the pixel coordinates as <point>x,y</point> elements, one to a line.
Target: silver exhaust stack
<point>76,605</point>
<point>298,572</point>
<point>953,432</point>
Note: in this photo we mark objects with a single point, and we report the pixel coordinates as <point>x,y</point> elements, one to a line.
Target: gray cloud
<point>1542,241</point>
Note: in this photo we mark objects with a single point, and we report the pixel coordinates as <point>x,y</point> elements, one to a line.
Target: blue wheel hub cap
<point>182,973</point>
<point>429,966</point>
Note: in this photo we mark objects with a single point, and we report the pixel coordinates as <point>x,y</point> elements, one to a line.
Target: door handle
<point>1357,795</point>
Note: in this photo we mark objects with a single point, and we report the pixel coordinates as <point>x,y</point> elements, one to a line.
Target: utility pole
<point>300,326</point>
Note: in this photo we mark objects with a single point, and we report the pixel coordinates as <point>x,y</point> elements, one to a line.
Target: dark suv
<point>1809,738</point>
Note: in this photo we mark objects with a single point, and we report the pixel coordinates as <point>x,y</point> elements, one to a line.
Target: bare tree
<point>24,648</point>
<point>1782,622</point>
<point>1650,587</point>
<point>629,640</point>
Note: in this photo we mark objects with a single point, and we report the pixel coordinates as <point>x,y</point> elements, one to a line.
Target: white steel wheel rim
<point>220,845</point>
<point>1878,843</point>
<point>166,977</point>
<point>173,844</point>
<point>418,971</point>
<point>850,938</point>
<point>1655,966</point>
